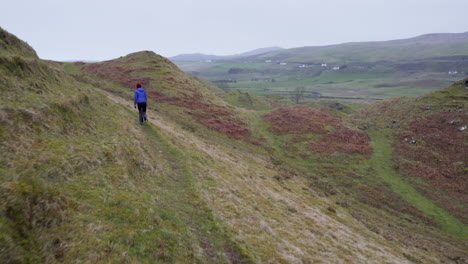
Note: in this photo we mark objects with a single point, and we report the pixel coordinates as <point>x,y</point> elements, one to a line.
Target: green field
<point>356,82</point>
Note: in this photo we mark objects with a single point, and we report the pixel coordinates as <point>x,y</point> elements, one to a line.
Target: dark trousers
<point>142,111</point>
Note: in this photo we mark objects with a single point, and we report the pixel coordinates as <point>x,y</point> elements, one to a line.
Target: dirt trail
<point>242,181</point>
<point>169,129</point>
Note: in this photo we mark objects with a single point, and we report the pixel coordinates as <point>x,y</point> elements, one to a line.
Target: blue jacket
<point>140,96</point>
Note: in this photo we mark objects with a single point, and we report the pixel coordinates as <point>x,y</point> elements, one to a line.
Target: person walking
<point>140,101</point>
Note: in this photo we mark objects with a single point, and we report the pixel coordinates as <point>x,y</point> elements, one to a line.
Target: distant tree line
<point>225,81</point>
<point>263,79</point>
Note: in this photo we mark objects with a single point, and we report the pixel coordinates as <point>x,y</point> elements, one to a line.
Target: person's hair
<point>138,85</point>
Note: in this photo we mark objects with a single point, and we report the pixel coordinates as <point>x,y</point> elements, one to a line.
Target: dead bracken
<point>205,112</point>
<point>210,115</point>
<point>344,140</point>
<point>299,120</point>
<point>438,157</point>
<point>119,72</point>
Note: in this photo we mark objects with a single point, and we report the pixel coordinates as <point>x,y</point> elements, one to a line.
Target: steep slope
<point>422,47</point>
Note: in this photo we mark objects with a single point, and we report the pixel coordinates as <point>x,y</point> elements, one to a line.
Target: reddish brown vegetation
<point>208,114</point>
<point>119,72</point>
<point>213,116</point>
<point>225,125</point>
<point>439,156</point>
<point>344,140</point>
<point>300,120</point>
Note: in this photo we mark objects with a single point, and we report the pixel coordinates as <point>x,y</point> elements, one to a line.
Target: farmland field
<point>375,82</point>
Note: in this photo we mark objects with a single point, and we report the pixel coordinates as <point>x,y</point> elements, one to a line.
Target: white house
<point>336,68</point>
<point>283,63</point>
<point>303,66</point>
<point>453,72</point>
<point>324,65</point>
<point>268,61</point>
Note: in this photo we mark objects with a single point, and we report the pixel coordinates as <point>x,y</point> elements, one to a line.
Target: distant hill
<point>195,57</point>
<point>258,51</point>
<point>422,47</point>
<point>205,57</point>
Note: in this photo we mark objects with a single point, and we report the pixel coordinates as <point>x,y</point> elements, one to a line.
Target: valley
<point>367,71</point>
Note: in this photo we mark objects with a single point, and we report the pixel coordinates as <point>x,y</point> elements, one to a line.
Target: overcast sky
<point>107,29</point>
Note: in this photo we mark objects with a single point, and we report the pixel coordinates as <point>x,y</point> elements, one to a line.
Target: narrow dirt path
<point>169,129</point>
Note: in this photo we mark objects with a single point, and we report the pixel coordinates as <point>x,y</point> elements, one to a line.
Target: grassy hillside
<point>422,47</point>
<point>428,141</point>
<point>10,45</point>
<point>204,181</point>
<point>81,181</point>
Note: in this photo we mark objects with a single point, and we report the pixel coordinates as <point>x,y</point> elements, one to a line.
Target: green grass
<point>345,83</point>
<point>127,196</point>
<point>381,162</point>
<point>10,45</point>
<point>82,181</point>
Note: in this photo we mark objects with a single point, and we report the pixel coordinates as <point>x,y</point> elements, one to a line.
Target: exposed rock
<point>337,106</point>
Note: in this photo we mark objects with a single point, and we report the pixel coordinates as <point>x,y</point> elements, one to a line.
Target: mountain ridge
<point>415,47</point>
<point>205,57</point>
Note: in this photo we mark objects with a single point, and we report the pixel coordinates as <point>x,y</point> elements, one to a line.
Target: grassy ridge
<point>10,45</point>
<point>82,181</point>
<point>422,47</point>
